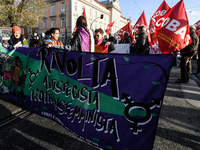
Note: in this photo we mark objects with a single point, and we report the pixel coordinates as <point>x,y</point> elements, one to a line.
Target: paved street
<point>178,126</point>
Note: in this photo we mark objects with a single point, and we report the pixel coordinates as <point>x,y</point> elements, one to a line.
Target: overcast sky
<point>132,9</point>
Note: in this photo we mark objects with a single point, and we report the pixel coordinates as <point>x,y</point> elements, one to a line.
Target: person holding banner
<point>142,42</point>
<point>186,55</point>
<point>53,41</point>
<point>82,40</point>
<point>99,40</point>
<point>16,40</point>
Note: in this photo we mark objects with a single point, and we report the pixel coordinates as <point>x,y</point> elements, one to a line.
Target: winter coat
<point>189,50</point>
<point>82,41</point>
<point>18,43</point>
<point>52,42</point>
<point>142,43</point>
<point>127,40</point>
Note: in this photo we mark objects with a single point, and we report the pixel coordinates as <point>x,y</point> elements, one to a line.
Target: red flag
<point>197,25</point>
<point>126,28</point>
<point>84,13</point>
<point>161,11</point>
<point>174,33</point>
<point>142,21</point>
<point>101,49</point>
<point>108,27</point>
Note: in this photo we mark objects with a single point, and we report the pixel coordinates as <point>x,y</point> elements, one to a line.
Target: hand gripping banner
<point>112,101</point>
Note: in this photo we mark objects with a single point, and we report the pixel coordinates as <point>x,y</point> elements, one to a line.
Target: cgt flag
<point>174,33</point>
<point>108,27</point>
<point>161,11</point>
<point>197,25</point>
<point>142,21</point>
<point>126,28</point>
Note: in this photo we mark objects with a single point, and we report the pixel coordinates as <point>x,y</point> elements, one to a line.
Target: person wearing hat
<point>16,40</point>
<point>186,55</point>
<point>142,42</point>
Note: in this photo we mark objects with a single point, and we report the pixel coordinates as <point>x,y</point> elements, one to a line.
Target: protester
<point>127,39</point>
<point>53,41</point>
<point>47,38</point>
<point>69,39</point>
<point>82,40</point>
<point>16,39</point>
<point>41,39</point>
<point>111,38</point>
<point>99,40</point>
<point>186,55</point>
<point>198,59</point>
<point>34,41</point>
<point>106,37</point>
<point>142,42</point>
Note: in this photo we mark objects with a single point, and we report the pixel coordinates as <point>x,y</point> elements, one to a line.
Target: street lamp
<point>101,17</point>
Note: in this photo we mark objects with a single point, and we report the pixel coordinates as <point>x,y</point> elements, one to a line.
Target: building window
<point>75,18</point>
<point>37,31</point>
<point>22,31</point>
<point>53,23</point>
<point>62,22</point>
<point>29,31</point>
<point>95,14</point>
<point>44,12</point>
<point>62,37</point>
<point>83,8</point>
<point>53,9</point>
<point>62,6</point>
<point>75,6</point>
<point>44,24</point>
<point>90,12</point>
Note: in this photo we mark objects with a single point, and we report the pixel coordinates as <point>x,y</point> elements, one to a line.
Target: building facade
<point>64,13</point>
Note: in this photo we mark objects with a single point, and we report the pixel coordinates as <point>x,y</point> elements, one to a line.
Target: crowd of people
<point>84,40</point>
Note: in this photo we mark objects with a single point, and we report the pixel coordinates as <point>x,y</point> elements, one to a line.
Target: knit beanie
<point>16,28</point>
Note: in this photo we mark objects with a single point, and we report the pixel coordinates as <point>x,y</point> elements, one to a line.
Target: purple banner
<point>112,101</point>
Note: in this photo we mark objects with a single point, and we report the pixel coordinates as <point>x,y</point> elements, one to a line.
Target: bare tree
<point>26,13</point>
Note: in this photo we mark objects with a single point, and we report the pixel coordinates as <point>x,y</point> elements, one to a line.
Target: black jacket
<point>75,42</point>
<point>188,50</point>
<point>142,43</point>
<point>112,39</point>
<point>128,40</point>
<point>111,47</point>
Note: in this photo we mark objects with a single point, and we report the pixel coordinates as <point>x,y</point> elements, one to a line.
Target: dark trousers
<point>186,69</point>
<point>198,66</point>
